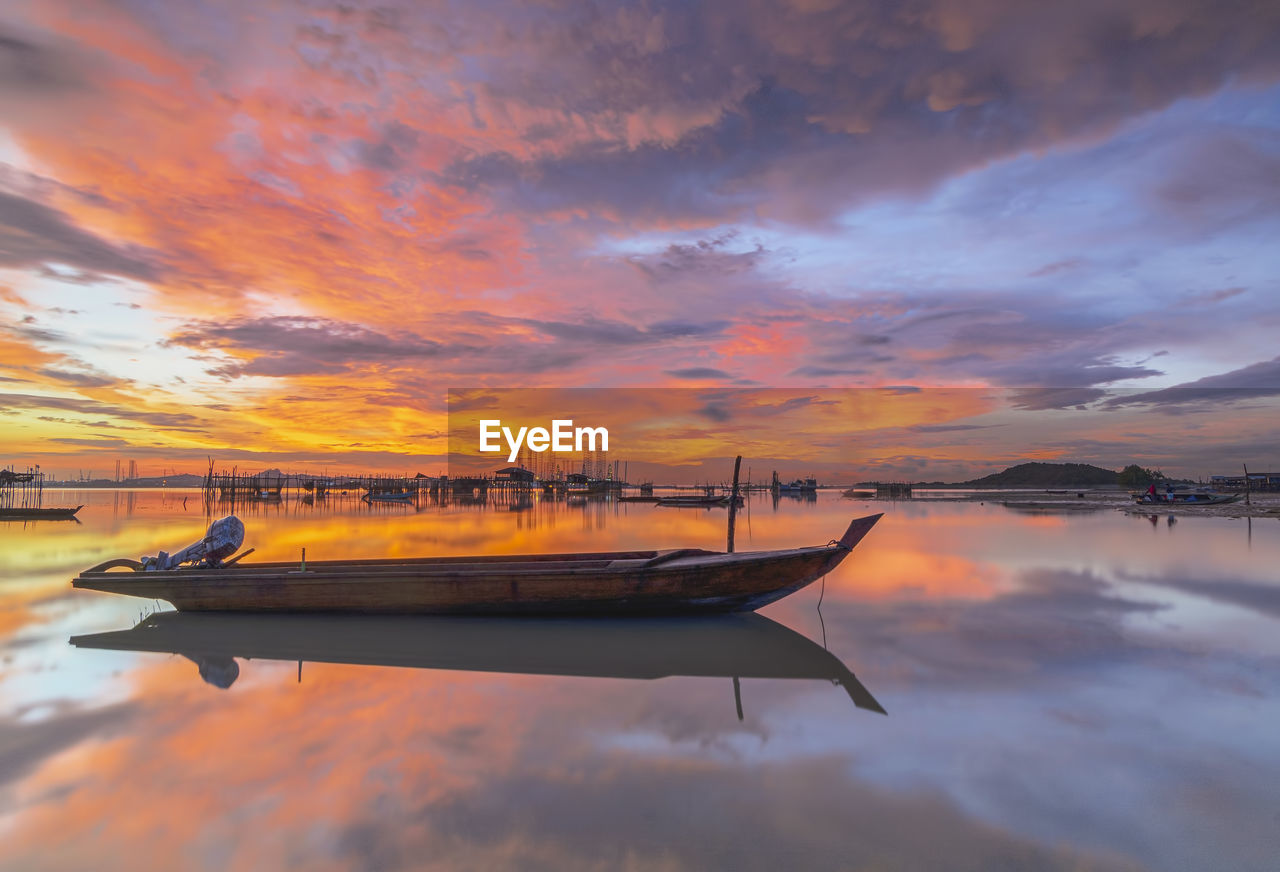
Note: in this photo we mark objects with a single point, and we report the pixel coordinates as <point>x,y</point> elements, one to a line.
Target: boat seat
<point>676,554</point>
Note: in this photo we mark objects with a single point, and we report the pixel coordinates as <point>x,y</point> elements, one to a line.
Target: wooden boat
<point>1185,498</point>
<point>688,580</point>
<point>729,646</point>
<point>697,502</point>
<point>400,497</point>
<point>30,514</point>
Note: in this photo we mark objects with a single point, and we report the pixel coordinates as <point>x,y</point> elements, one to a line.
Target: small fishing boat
<point>1185,497</point>
<point>688,580</point>
<point>389,497</point>
<point>32,514</point>
<point>697,502</point>
<point>728,646</point>
<point>808,485</point>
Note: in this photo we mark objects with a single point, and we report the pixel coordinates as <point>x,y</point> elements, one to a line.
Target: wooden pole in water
<point>733,501</point>
<point>1246,483</point>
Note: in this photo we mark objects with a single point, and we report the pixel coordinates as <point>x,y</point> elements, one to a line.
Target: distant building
<point>514,475</point>
<point>1258,481</point>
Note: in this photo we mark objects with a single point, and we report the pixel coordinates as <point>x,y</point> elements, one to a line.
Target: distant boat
<point>729,646</point>
<point>687,580</point>
<point>1185,497</point>
<point>29,514</point>
<point>800,486</point>
<point>400,497</point>
<point>697,502</point>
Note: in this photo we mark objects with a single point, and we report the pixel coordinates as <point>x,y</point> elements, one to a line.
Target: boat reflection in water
<point>727,646</point>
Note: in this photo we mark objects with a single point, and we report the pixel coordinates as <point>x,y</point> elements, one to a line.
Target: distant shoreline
<point>125,485</point>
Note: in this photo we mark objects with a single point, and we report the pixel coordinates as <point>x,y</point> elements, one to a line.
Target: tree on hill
<point>1047,475</point>
<point>1138,476</point>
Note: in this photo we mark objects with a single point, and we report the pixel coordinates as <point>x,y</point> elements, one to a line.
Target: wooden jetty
<point>234,487</point>
<point>22,498</point>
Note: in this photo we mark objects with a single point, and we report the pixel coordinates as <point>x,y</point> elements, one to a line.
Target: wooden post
<point>733,501</point>
<point>1246,483</point>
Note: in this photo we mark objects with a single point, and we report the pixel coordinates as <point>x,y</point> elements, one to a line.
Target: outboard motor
<point>224,538</point>
<point>219,671</point>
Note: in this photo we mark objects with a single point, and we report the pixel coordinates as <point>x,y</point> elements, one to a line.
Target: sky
<point>277,233</point>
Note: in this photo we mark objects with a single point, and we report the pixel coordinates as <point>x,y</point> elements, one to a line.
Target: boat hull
<point>1193,500</point>
<point>629,583</point>
<point>696,502</point>
<point>50,514</point>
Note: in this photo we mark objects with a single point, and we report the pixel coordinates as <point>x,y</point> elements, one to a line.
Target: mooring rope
<point>821,621</point>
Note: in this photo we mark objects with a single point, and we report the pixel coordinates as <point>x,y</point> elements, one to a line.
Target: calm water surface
<point>1063,691</point>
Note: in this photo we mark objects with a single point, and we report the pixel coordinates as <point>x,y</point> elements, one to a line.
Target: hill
<point>1044,475</point>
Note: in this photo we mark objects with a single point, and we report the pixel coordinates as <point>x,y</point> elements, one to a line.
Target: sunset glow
<point>278,235</point>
